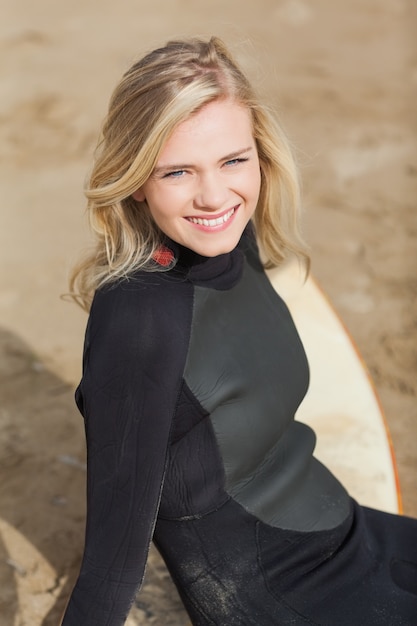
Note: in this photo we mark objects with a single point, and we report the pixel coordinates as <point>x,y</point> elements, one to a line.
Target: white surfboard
<point>341,405</point>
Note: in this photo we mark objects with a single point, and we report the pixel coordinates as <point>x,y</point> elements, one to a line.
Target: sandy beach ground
<point>343,77</point>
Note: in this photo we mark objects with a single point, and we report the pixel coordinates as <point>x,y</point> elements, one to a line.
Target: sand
<point>343,77</point>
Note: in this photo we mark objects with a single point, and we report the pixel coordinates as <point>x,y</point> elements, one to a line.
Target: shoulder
<point>146,309</point>
<point>143,286</point>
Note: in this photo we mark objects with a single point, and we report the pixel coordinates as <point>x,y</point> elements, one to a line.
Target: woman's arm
<point>136,345</point>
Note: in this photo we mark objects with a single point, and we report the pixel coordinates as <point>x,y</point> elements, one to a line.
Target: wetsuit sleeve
<point>134,356</point>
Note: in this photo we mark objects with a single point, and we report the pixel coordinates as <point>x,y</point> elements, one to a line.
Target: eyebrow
<point>183,166</point>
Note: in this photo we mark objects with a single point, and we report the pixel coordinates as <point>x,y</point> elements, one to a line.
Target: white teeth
<point>214,222</point>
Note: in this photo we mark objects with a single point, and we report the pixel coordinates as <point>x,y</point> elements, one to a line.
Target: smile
<point>211,223</point>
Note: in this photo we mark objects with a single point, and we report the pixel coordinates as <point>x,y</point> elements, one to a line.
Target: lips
<point>215,221</point>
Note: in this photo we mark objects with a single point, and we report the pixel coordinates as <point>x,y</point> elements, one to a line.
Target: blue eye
<point>236,161</point>
<point>175,174</point>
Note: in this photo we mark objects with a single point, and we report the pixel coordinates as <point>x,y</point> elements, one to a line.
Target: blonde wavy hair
<point>156,94</point>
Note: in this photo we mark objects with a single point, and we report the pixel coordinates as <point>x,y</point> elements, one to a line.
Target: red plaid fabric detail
<point>163,256</point>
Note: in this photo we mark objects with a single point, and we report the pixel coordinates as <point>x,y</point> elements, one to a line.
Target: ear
<point>138,195</point>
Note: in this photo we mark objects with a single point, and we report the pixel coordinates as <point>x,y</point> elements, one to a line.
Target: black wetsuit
<point>191,380</point>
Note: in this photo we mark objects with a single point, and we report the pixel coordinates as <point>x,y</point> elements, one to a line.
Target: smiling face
<point>205,186</point>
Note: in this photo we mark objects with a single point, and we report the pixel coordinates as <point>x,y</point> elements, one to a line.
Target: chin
<point>215,245</point>
<point>215,249</point>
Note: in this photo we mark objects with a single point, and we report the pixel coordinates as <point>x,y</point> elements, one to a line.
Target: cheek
<point>255,187</point>
<point>156,203</point>
<point>169,203</point>
<point>159,215</point>
<point>164,209</point>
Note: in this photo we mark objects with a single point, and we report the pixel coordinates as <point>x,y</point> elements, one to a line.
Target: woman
<point>193,371</point>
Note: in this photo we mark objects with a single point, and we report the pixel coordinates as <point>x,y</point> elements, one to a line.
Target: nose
<point>212,192</point>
